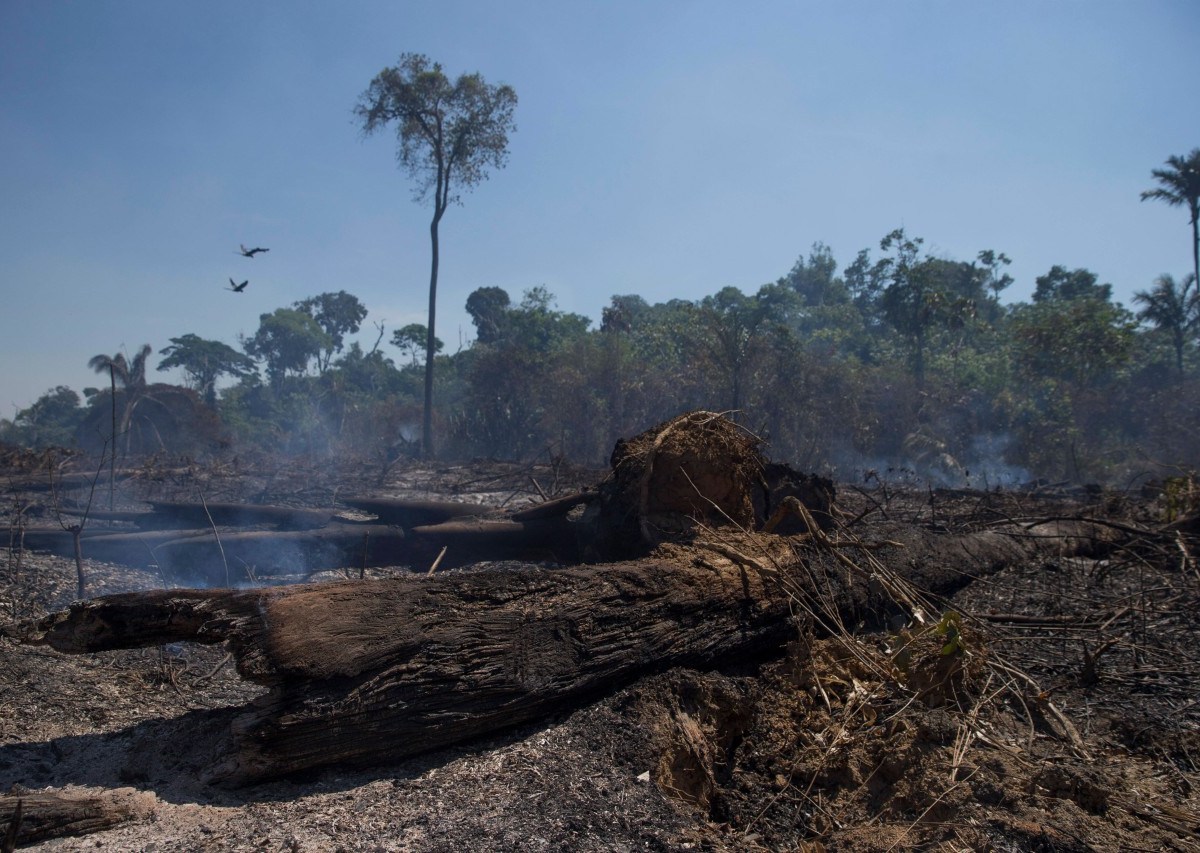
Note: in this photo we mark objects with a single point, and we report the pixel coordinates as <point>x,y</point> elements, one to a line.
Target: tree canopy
<point>890,362</point>
<point>1174,308</point>
<point>50,421</point>
<point>411,339</point>
<point>286,341</point>
<point>338,314</point>
<point>203,361</point>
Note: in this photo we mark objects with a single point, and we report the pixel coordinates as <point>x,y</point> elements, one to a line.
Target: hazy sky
<point>663,148</point>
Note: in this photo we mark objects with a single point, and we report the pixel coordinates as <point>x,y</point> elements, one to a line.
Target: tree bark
<point>427,446</point>
<point>39,815</point>
<point>364,672</point>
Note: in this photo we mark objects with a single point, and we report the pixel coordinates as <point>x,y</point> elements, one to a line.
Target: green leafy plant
<point>949,627</point>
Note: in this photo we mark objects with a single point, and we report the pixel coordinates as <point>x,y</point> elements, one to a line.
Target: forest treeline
<point>899,360</point>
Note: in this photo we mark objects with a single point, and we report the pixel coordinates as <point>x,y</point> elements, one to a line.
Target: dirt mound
<point>836,746</point>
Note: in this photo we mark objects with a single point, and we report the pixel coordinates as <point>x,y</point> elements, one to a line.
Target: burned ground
<point>1058,711</point>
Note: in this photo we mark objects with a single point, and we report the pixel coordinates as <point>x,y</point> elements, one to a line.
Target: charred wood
<point>414,513</point>
<point>555,508</point>
<point>210,560</point>
<point>365,672</point>
<point>175,514</point>
<point>35,816</point>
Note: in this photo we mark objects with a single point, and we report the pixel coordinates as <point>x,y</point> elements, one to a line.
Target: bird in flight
<point>238,288</point>
<point>250,253</point>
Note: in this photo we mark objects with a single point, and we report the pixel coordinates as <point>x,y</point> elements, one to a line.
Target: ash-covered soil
<point>1058,711</point>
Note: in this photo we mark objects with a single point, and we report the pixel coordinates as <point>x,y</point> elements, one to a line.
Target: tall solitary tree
<point>1179,185</point>
<point>449,135</point>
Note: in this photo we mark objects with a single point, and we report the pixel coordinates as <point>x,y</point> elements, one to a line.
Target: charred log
<point>35,816</point>
<point>176,514</point>
<point>127,548</point>
<point>555,508</point>
<point>415,513</point>
<point>204,557</point>
<point>60,483</point>
<point>365,672</point>
<point>241,557</point>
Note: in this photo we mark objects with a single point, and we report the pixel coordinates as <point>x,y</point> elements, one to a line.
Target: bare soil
<point>1058,711</point>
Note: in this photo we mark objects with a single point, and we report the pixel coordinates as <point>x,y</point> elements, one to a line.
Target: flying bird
<point>250,253</point>
<point>238,288</point>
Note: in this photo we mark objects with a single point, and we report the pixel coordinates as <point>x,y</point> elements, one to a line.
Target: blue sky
<point>667,149</point>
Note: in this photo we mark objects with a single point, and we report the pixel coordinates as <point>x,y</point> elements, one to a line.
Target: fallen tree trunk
<point>178,514</point>
<point>126,548</point>
<point>413,513</point>
<point>241,557</point>
<point>38,815</point>
<point>175,514</point>
<point>366,672</point>
<point>200,557</point>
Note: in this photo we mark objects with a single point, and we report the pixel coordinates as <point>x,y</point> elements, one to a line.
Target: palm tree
<point>1173,307</point>
<point>1180,185</point>
<point>132,378</point>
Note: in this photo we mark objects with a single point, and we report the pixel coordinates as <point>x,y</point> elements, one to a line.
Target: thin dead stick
<point>1187,561</point>
<point>1124,528</point>
<point>438,561</point>
<point>216,535</point>
<point>967,729</point>
<point>1055,621</point>
<point>1120,613</point>
<point>1072,733</point>
<point>154,561</point>
<point>212,672</point>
